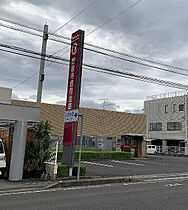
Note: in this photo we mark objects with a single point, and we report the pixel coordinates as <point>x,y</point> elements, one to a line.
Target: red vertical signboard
<point>74,85</point>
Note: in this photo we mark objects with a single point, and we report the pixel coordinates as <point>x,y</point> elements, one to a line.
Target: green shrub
<point>63,170</point>
<point>59,156</point>
<point>82,170</point>
<point>88,155</point>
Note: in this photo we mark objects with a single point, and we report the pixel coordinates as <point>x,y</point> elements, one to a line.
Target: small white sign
<point>71,116</point>
<point>101,144</point>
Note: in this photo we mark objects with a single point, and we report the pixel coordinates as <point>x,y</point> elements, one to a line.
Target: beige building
<point>101,123</point>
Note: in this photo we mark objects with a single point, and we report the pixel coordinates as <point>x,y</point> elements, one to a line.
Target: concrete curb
<point>97,181</point>
<point>107,180</point>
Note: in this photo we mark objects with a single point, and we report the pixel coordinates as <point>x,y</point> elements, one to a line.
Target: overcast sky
<point>155,30</point>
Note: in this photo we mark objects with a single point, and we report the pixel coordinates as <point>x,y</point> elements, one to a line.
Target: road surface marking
<point>151,162</point>
<point>97,164</point>
<point>172,185</point>
<point>54,190</point>
<point>127,163</point>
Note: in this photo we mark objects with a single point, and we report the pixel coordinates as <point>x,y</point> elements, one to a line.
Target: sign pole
<point>80,150</point>
<point>73,99</point>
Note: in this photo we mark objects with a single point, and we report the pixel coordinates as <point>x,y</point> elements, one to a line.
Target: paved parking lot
<point>149,165</point>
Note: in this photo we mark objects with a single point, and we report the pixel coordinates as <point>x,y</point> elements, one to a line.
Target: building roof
<point>96,122</point>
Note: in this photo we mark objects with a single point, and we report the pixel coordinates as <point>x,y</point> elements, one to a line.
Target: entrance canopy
<point>21,113</point>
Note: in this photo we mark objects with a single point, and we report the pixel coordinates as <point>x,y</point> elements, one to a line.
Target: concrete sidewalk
<point>26,184</point>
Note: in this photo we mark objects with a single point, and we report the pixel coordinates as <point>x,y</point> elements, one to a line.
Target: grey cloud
<point>136,111</point>
<point>14,96</point>
<point>152,29</point>
<point>32,97</point>
<point>107,105</point>
<point>60,102</point>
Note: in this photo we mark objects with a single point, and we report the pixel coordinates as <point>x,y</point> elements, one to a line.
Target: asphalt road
<point>149,165</point>
<point>153,194</point>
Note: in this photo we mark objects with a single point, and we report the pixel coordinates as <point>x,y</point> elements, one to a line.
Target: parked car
<point>2,158</point>
<point>151,149</point>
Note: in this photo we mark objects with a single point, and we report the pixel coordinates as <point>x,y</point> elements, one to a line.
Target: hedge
<point>63,170</point>
<point>88,155</point>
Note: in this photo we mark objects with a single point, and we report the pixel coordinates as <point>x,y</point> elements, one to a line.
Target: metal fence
<point>171,150</point>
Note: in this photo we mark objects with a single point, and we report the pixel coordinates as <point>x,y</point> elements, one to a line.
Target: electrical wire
<point>114,72</point>
<point>117,57</point>
<point>74,17</point>
<point>68,43</point>
<point>88,44</point>
<point>111,19</point>
<point>114,17</point>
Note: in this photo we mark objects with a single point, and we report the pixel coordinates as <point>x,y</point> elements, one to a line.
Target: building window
<point>174,126</point>
<point>174,107</point>
<point>181,107</point>
<point>166,108</point>
<point>155,126</point>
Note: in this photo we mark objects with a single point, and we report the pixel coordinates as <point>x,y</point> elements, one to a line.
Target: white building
<point>167,117</point>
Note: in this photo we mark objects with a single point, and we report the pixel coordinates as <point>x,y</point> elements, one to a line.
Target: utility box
<point>5,95</point>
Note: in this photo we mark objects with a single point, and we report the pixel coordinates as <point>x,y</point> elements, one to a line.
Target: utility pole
<point>42,65</point>
<point>20,128</point>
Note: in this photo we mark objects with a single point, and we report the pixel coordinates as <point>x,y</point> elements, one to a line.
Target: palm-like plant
<point>43,135</point>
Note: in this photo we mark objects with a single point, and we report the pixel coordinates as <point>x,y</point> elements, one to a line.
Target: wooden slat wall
<point>96,122</point>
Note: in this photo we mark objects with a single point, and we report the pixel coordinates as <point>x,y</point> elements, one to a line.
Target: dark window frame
<point>181,107</point>
<point>155,126</point>
<point>174,108</point>
<point>174,126</point>
<point>166,109</point>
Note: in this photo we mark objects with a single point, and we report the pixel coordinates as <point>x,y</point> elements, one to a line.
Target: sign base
<point>67,156</point>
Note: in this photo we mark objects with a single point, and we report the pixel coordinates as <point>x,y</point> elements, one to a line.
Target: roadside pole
<point>20,128</point>
<point>42,65</point>
<point>186,137</point>
<point>80,150</point>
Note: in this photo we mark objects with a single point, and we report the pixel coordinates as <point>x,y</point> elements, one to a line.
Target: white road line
<point>98,164</point>
<point>151,162</point>
<point>167,178</point>
<point>54,190</point>
<point>127,163</point>
<point>157,180</point>
<point>136,183</point>
<point>172,185</point>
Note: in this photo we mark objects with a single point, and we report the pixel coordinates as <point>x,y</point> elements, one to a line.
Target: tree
<point>44,143</point>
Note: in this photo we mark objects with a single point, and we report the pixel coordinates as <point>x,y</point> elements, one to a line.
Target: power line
<point>89,44</point>
<point>20,24</point>
<point>74,17</point>
<point>20,30</point>
<point>113,18</point>
<point>135,57</point>
<point>115,72</point>
<point>128,60</point>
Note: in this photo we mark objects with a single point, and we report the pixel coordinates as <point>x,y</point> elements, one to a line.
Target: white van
<point>151,149</point>
<point>2,158</point>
